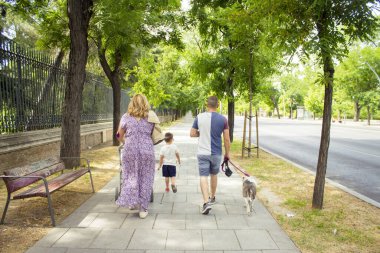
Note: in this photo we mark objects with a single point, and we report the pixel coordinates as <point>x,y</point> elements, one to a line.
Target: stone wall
<point>23,148</point>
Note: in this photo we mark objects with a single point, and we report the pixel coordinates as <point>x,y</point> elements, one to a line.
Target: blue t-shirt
<point>210,126</point>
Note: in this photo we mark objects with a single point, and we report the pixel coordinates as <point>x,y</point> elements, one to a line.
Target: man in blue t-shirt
<point>209,127</point>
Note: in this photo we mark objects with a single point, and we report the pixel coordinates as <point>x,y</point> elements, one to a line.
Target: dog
<point>249,193</point>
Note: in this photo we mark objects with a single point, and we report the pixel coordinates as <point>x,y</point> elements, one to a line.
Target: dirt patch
<point>28,220</point>
<point>345,224</point>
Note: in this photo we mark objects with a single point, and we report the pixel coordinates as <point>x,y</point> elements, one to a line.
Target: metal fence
<point>32,88</point>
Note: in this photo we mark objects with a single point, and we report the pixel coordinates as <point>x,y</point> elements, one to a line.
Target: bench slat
<point>31,168</point>
<point>18,183</point>
<point>54,185</point>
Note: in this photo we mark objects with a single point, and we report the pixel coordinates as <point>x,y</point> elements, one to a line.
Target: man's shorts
<point>209,164</point>
<point>168,171</point>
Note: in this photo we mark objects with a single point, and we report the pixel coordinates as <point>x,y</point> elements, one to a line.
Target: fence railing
<point>32,88</point>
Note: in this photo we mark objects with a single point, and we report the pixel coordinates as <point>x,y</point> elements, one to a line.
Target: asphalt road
<point>354,154</point>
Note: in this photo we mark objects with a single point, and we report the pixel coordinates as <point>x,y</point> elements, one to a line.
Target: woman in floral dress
<point>137,156</point>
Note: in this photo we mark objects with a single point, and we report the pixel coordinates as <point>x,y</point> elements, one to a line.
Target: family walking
<point>138,159</point>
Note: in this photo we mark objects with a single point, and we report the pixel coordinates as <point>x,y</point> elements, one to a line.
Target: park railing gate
<point>32,88</point>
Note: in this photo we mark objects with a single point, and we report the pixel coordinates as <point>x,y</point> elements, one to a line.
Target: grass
<point>345,224</point>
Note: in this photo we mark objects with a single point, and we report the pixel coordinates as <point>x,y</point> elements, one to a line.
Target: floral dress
<point>138,163</point>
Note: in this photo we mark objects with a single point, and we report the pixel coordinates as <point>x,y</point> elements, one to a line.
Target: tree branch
<point>103,60</point>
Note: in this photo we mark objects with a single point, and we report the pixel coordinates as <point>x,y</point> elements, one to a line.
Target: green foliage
<point>162,74</point>
<point>357,77</point>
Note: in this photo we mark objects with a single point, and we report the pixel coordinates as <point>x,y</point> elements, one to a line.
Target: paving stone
<point>164,251</point>
<point>187,189</point>
<point>281,251</point>
<point>112,239</point>
<point>160,208</point>
<point>73,220</point>
<point>194,198</point>
<point>86,251</point>
<point>187,208</point>
<point>179,197</point>
<point>134,221</point>
<point>127,210</point>
<point>148,239</point>
<point>108,220</point>
<point>231,221</point>
<point>218,209</point>
<point>220,240</point>
<point>46,250</point>
<point>77,238</point>
<point>170,221</point>
<point>184,240</point>
<point>236,209</point>
<point>208,251</point>
<point>243,251</point>
<point>262,221</point>
<point>282,240</point>
<point>88,219</point>
<point>104,207</point>
<point>199,221</point>
<point>51,237</point>
<point>255,239</point>
<point>124,251</point>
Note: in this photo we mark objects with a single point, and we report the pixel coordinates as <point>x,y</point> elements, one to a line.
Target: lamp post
<point>373,70</point>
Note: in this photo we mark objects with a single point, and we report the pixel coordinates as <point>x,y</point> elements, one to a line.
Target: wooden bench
<point>20,177</point>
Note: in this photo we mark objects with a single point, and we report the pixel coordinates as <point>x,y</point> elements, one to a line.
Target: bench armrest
<point>81,158</point>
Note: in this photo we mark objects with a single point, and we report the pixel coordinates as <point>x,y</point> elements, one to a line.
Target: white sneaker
<point>143,214</point>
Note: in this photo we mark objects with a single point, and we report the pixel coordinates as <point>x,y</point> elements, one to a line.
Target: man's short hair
<point>212,102</point>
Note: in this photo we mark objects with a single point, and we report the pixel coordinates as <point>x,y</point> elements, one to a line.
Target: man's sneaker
<point>206,208</point>
<point>174,188</point>
<point>211,200</point>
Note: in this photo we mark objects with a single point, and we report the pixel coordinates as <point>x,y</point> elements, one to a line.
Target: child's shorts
<point>168,171</point>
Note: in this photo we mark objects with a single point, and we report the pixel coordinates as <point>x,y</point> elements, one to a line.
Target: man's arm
<point>227,144</point>
<point>194,132</point>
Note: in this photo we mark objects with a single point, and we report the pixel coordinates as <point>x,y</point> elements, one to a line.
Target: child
<point>168,156</point>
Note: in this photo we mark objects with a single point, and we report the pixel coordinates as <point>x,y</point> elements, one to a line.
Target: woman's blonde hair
<point>139,106</point>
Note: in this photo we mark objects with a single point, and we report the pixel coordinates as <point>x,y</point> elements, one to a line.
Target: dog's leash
<point>239,169</point>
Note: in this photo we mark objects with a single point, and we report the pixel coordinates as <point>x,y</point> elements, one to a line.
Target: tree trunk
<point>231,104</point>
<point>368,115</point>
<point>357,110</point>
<point>278,111</point>
<point>116,89</point>
<point>328,69</point>
<point>79,13</point>
<point>114,78</point>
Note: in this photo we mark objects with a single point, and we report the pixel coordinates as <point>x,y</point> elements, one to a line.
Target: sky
<point>185,5</point>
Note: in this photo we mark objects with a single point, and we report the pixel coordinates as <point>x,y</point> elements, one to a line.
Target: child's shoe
<point>174,188</point>
<point>167,189</point>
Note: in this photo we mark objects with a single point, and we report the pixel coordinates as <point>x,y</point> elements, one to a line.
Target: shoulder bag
<point>157,135</point>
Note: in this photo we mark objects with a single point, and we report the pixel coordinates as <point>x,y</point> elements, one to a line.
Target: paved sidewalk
<point>174,223</point>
